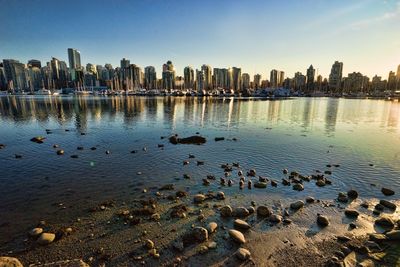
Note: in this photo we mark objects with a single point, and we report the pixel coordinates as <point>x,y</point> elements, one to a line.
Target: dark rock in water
<point>310,200</point>
<point>220,195</point>
<point>298,187</point>
<point>179,211</point>
<point>210,177</point>
<point>17,156</point>
<point>387,191</point>
<point>93,148</point>
<point>80,148</point>
<point>2,146</point>
<point>55,146</point>
<point>285,182</point>
<point>167,187</point>
<point>251,172</point>
<point>352,194</point>
<point>365,204</point>
<point>191,156</point>
<point>285,171</point>
<point>200,162</point>
<point>38,139</point>
<point>181,194</point>
<point>132,152</point>
<point>197,140</point>
<point>60,152</point>
<point>83,133</point>
<point>328,172</point>
<point>219,139</point>
<point>108,152</point>
<point>342,197</point>
<point>74,156</point>
<point>260,185</point>
<point>322,220</point>
<point>274,183</point>
<point>160,145</point>
<point>379,207</point>
<point>385,222</point>
<point>262,179</point>
<point>351,213</point>
<point>206,182</point>
<point>186,176</point>
<point>388,204</point>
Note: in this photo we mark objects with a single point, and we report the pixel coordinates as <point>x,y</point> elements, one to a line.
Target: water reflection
<point>173,111</point>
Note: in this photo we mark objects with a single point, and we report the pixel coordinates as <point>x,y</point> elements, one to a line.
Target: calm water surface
<point>303,134</point>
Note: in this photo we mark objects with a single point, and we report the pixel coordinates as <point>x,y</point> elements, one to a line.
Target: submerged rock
<point>60,152</point>
<point>260,184</point>
<point>38,139</point>
<point>352,194</point>
<point>297,205</point>
<point>387,191</point>
<point>220,195</point>
<point>298,187</point>
<point>237,236</point>
<point>199,198</point>
<point>195,139</point>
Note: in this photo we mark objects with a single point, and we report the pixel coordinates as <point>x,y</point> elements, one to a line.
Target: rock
<point>287,221</point>
<point>350,260</point>
<point>298,187</point>
<point>155,217</point>
<point>353,194</point>
<point>251,172</point>
<point>10,262</point>
<point>351,213</point>
<point>322,220</point>
<point>388,204</point>
<point>343,238</point>
<point>274,183</point>
<point>36,231</point>
<point>212,245</point>
<point>243,254</point>
<point>108,152</point>
<point>238,223</point>
<point>387,191</point>
<point>46,238</point>
<point>38,139</point>
<point>393,235</point>
<point>74,156</point>
<point>181,194</point>
<point>241,212</point>
<point>195,139</point>
<point>251,209</point>
<point>167,187</point>
<point>260,185</point>
<point>212,227</point>
<point>226,211</point>
<point>320,183</point>
<point>379,207</point>
<point>285,171</point>
<point>310,200</point>
<point>60,152</point>
<point>365,204</point>
<point>219,139</point>
<point>220,195</point>
<point>285,182</point>
<point>200,234</point>
<point>178,245</point>
<point>275,218</point>
<point>199,198</point>
<point>237,236</point>
<point>149,244</point>
<point>377,237</point>
<point>179,211</point>
<point>297,205</point>
<point>385,222</point>
<point>342,197</point>
<point>263,211</point>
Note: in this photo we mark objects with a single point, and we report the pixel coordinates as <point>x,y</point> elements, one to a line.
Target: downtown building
<point>335,77</point>
<point>168,76</point>
<point>355,82</point>
<point>188,77</point>
<point>150,78</point>
<point>276,78</point>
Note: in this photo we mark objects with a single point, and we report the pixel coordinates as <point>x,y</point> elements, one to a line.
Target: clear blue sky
<point>257,35</point>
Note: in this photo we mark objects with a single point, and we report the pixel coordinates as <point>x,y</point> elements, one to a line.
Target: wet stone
<point>351,213</point>
<point>241,212</point>
<point>297,205</point>
<point>46,238</point>
<point>243,254</point>
<point>226,211</point>
<point>263,211</point>
<point>322,220</point>
<point>387,191</point>
<point>237,236</point>
<point>238,223</point>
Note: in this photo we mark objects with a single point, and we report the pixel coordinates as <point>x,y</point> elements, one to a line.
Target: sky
<point>257,35</point>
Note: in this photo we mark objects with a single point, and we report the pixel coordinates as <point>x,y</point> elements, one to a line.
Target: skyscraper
<point>310,78</point>
<point>335,77</point>
<point>150,78</point>
<point>398,72</point>
<point>222,78</point>
<point>206,69</point>
<point>299,81</point>
<point>74,57</point>
<point>125,63</point>
<point>392,81</point>
<point>15,74</point>
<point>236,79</point>
<point>257,81</point>
<point>168,76</point>
<point>276,78</point>
<point>200,81</point>
<point>245,81</point>
<point>188,76</point>
<point>34,63</point>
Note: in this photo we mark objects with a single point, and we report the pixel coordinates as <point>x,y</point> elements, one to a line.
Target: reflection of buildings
<point>332,109</point>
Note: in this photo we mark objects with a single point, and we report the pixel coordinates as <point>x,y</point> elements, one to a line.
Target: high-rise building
<point>236,79</point>
<point>34,63</point>
<point>188,76</point>
<point>35,78</point>
<point>355,82</point>
<point>310,78</point>
<point>299,81</point>
<point>200,81</point>
<point>378,84</point>
<point>150,78</point>
<point>15,74</point>
<point>168,76</point>
<point>222,78</point>
<point>74,58</point>
<point>276,78</point>
<point>133,77</point>
<point>257,81</point>
<point>206,69</point>
<point>398,72</point>
<point>392,81</point>
<point>245,81</point>
<point>335,77</point>
<point>3,83</point>
<point>125,63</point>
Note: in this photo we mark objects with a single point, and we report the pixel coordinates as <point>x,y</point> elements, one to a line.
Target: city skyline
<point>258,37</point>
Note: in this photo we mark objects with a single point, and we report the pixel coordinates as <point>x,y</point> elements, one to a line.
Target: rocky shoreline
<point>169,226</point>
